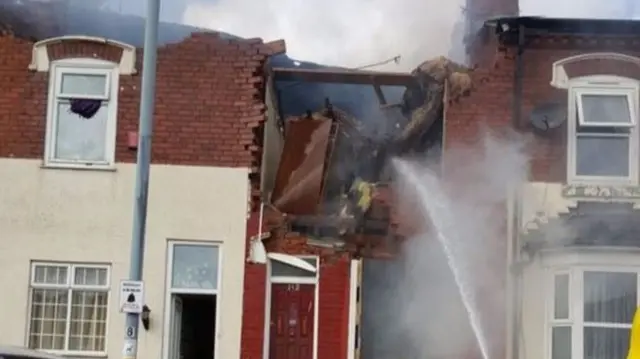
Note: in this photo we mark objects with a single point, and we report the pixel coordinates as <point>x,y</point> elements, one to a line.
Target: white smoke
<point>342,33</point>
<point>361,32</point>
<point>445,291</point>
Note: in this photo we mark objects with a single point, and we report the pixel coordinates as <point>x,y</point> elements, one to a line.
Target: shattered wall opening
<point>333,176</point>
<point>333,183</point>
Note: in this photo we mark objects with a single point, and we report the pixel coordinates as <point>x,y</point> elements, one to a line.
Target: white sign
<point>131,296</point>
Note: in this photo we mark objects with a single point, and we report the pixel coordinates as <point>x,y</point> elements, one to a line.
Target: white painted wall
<point>531,341</point>
<point>86,216</point>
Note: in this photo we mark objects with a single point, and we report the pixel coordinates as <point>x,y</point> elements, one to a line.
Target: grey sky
<point>358,32</point>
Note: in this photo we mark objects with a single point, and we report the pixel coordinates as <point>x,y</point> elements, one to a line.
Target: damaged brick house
<point>70,80</point>
<point>571,233</point>
<point>325,199</point>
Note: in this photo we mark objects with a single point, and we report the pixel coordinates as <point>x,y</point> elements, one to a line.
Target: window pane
<point>609,297</point>
<point>605,108</point>
<point>561,343</point>
<point>602,156</point>
<point>76,84</point>
<point>90,276</point>
<point>561,299</point>
<point>48,319</point>
<point>279,269</point>
<point>80,139</point>
<point>195,267</point>
<point>88,321</point>
<point>605,343</point>
<point>50,275</point>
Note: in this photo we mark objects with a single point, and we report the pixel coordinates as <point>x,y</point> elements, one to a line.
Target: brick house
<point>296,256</point>
<point>325,204</point>
<point>570,88</point>
<point>68,122</point>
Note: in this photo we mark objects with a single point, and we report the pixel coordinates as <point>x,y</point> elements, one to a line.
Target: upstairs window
<point>603,136</point>
<point>82,113</point>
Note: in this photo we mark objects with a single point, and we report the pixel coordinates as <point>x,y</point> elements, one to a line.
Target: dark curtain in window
<point>85,108</point>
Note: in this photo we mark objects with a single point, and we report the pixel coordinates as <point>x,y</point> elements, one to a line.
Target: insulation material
<point>423,103</point>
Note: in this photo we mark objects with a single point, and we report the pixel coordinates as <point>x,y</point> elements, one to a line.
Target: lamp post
<point>147,103</point>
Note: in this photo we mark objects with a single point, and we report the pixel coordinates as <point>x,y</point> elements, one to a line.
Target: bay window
<point>591,312</point>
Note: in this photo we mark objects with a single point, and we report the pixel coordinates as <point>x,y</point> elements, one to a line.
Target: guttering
<point>516,288</point>
<point>517,79</point>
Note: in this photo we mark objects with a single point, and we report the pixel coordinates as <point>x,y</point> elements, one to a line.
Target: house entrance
<point>292,307</point>
<point>192,331</point>
<point>191,324</point>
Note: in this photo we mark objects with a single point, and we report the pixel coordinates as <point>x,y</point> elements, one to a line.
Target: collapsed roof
<point>334,165</point>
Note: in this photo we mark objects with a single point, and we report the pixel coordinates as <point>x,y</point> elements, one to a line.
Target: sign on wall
<point>131,296</point>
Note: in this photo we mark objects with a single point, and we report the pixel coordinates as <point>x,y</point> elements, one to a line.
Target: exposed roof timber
<point>339,76</point>
<point>380,95</point>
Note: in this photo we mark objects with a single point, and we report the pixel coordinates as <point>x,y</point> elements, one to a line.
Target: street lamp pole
<point>147,103</point>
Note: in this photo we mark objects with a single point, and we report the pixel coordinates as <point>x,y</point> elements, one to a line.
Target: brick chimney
<point>479,11</point>
<point>487,9</point>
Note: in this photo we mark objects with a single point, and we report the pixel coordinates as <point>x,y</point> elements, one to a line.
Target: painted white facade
<point>86,216</point>
<point>540,203</point>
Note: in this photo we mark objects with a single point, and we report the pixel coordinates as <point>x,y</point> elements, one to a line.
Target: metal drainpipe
<point>517,274</point>
<point>517,79</point>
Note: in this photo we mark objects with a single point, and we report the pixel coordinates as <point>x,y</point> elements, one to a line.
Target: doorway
<point>191,313</point>
<point>292,311</point>
<point>193,318</point>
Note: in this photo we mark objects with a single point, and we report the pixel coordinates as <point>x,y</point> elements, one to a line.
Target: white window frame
<point>590,90</point>
<point>170,291</point>
<point>575,262</point>
<point>315,280</point>
<point>602,85</point>
<point>70,287</point>
<point>82,66</point>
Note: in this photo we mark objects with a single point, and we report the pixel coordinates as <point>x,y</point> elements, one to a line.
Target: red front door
<point>292,317</point>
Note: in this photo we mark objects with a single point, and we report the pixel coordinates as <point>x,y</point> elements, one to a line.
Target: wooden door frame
<point>170,291</point>
<point>290,280</point>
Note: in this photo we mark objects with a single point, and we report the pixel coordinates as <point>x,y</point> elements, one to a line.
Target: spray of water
<point>434,203</point>
<point>444,296</point>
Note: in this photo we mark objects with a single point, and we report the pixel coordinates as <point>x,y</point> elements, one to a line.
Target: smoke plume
<point>363,32</point>
<point>467,210</point>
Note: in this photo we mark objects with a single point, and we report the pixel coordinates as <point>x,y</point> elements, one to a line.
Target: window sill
<point>603,181</point>
<point>79,167</point>
<point>72,354</point>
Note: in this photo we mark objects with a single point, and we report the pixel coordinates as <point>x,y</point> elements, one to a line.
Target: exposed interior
<point>327,149</point>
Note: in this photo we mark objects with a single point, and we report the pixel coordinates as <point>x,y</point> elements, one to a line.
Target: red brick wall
<point>490,106</point>
<point>209,100</point>
<point>333,311</point>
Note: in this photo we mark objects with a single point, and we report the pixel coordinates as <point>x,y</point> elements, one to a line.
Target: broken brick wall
<point>209,100</point>
<point>490,107</point>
